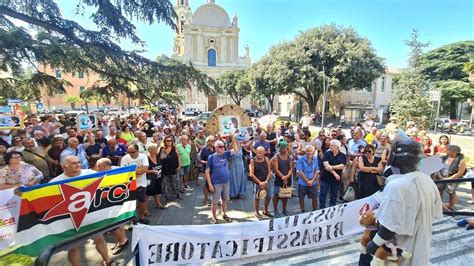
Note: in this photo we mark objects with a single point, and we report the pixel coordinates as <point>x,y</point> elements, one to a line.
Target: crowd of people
<point>170,154</point>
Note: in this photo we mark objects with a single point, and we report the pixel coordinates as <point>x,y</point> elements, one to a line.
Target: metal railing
<point>45,257</point>
<point>457,180</point>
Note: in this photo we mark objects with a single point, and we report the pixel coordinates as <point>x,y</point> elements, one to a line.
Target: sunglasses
<point>131,152</point>
<point>169,140</point>
<point>220,146</point>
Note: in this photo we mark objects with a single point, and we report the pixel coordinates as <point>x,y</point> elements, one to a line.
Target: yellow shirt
<point>370,138</point>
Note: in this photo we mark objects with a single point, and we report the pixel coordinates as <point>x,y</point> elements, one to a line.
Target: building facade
<point>209,39</point>
<point>79,81</point>
<point>352,105</point>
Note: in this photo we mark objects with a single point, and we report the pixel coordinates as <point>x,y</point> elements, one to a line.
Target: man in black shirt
<point>334,162</point>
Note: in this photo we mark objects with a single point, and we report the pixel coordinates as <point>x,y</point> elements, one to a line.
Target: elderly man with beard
<point>72,168</point>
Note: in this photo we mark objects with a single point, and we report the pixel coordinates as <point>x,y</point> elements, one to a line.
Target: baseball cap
<point>282,144</point>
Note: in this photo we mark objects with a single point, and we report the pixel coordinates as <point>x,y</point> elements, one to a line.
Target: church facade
<point>209,39</point>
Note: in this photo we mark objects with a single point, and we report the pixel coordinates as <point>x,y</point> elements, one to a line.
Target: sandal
<point>226,218</point>
<point>214,221</point>
<point>268,214</point>
<point>148,213</point>
<point>120,248</point>
<point>110,263</point>
<point>258,216</point>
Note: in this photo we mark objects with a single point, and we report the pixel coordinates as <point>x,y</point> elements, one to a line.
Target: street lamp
<point>325,91</point>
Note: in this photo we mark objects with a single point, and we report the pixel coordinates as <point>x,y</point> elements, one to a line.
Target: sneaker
<point>303,211</point>
<point>469,227</point>
<point>187,187</point>
<point>286,213</point>
<point>277,215</point>
<point>462,222</point>
<point>180,197</point>
<point>144,221</point>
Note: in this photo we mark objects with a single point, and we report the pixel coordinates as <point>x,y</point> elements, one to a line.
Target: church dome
<point>211,15</point>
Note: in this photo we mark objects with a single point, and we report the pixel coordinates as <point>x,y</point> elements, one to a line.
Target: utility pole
<point>437,111</point>
<point>325,90</point>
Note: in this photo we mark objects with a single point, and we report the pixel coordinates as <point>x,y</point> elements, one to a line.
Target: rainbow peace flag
<point>53,212</point>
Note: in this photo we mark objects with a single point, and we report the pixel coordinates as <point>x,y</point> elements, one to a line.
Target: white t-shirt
<point>140,161</point>
<point>63,176</point>
<point>410,203</point>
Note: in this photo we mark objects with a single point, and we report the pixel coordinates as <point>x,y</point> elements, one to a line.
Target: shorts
<point>141,194</point>
<point>184,170</point>
<point>221,191</point>
<point>450,188</point>
<point>312,192</point>
<point>256,188</point>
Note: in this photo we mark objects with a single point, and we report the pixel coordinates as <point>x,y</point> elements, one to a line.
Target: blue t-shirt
<point>205,153</point>
<point>354,145</point>
<point>264,144</point>
<point>120,150</point>
<point>219,167</point>
<point>308,169</point>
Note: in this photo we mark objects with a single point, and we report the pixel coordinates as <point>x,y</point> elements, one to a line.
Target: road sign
<point>435,96</point>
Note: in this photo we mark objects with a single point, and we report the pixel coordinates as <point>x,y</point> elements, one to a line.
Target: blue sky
<point>386,23</point>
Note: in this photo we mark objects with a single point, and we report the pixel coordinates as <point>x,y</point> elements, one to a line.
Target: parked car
<point>203,117</point>
<point>253,113</point>
<point>113,111</point>
<point>192,112</point>
<point>74,113</point>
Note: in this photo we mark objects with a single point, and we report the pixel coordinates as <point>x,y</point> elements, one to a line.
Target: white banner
<point>213,243</point>
<point>9,211</point>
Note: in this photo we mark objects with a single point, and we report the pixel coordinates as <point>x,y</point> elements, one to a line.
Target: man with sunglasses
<point>134,157</point>
<point>218,177</point>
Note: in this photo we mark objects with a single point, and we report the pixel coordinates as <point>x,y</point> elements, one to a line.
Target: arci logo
<point>76,202</point>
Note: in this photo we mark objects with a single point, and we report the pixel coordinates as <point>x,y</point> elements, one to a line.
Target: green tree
<point>446,66</point>
<point>235,84</point>
<point>337,54</point>
<point>65,44</point>
<point>416,48</point>
<point>267,80</point>
<point>411,100</point>
<point>72,99</point>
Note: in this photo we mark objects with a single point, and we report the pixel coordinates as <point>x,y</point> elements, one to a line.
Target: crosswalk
<point>451,245</point>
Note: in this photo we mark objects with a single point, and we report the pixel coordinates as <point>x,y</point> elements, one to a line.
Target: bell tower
<point>184,17</point>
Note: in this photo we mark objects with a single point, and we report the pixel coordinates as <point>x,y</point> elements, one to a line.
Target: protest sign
<point>214,243</point>
<point>9,122</point>
<point>9,211</point>
<point>431,165</point>
<point>228,124</point>
<point>86,122</point>
<point>53,212</point>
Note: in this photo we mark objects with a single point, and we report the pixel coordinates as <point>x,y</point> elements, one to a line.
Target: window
<point>81,74</point>
<point>382,86</point>
<point>288,107</point>
<point>279,107</point>
<point>211,57</point>
<point>57,73</point>
<point>81,89</point>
